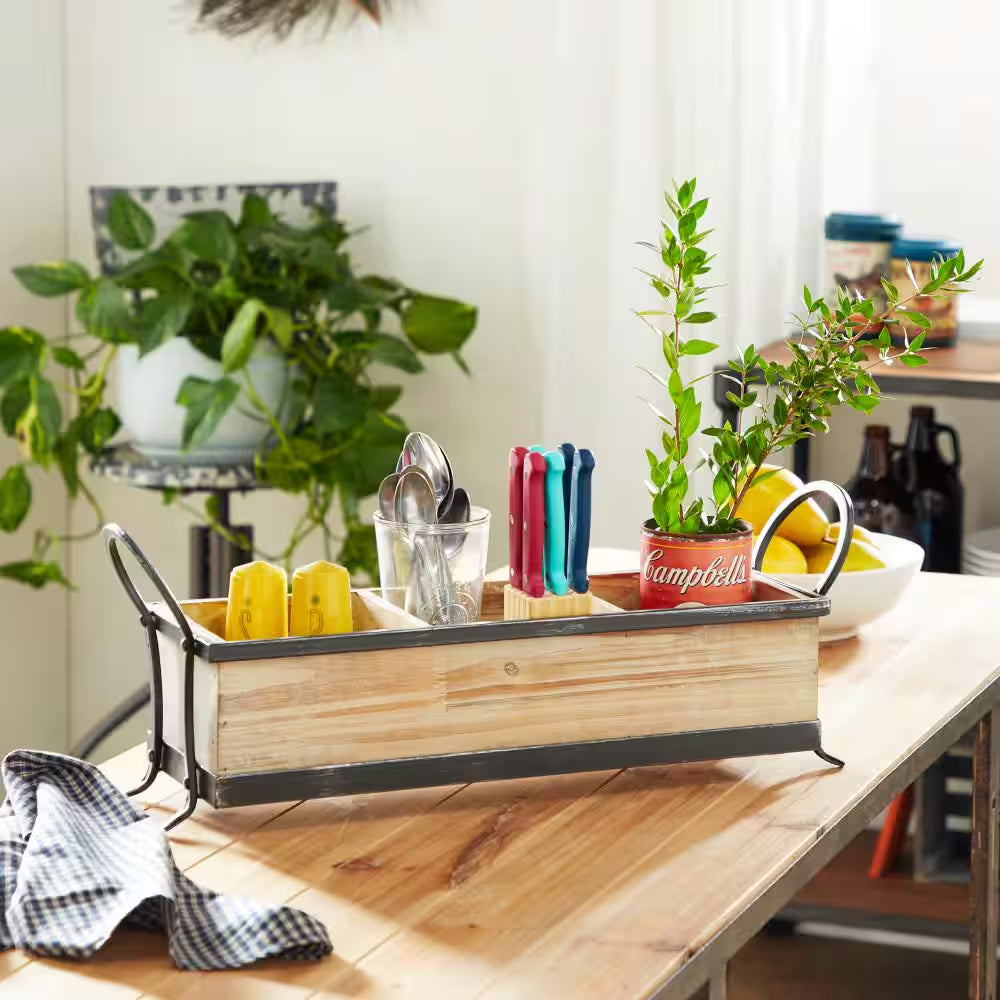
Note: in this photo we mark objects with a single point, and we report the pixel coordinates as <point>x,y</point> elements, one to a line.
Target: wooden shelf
<point>971,370</point>
<point>843,893</point>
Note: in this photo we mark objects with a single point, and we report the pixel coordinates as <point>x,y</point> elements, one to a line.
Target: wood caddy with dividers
<point>399,704</point>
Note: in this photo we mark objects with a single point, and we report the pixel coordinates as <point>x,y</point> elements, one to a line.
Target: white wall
<point>33,668</point>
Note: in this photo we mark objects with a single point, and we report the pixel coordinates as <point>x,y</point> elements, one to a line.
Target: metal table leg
<point>718,985</point>
<point>985,861</point>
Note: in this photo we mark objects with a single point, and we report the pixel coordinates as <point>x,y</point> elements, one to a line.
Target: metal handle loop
<point>845,507</point>
<point>115,534</point>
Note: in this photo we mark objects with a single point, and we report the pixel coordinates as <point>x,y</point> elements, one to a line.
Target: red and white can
<point>677,570</point>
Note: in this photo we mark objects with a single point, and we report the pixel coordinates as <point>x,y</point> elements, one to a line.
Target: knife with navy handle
<point>578,544</point>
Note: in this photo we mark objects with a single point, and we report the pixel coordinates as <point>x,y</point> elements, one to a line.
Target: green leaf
<point>97,429</point>
<point>53,277</point>
<point>393,351</point>
<point>15,403</point>
<point>913,360</point>
<point>291,468</point>
<point>697,347</point>
<point>685,193</point>
<point>721,492</point>
<point>438,326</point>
<point>104,312</point>
<point>909,274</point>
<point>699,208</point>
<point>701,317</point>
<point>206,403</point>
<point>339,405</point>
<point>15,498</point>
<point>241,335</point>
<point>161,319</point>
<point>68,358</point>
<point>385,397</point>
<point>917,318</point>
<point>690,415</point>
<point>130,224</point>
<point>208,236</point>
<point>359,553</point>
<point>22,352</point>
<point>34,573</point>
<point>67,455</point>
<point>281,326</point>
<point>891,291</point>
<point>686,226</point>
<point>49,408</point>
<point>256,211</point>
<point>918,341</point>
<point>675,387</point>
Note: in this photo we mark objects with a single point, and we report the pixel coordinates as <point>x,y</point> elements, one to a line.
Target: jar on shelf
<point>858,252</point>
<point>941,309</point>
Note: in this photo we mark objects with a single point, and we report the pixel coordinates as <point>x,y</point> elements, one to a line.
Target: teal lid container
<point>925,248</point>
<point>859,228</point>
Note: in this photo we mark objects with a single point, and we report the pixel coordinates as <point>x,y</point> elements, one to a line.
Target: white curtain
<point>643,91</point>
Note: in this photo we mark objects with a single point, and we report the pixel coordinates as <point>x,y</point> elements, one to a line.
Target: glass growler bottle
<point>881,502</point>
<point>936,491</point>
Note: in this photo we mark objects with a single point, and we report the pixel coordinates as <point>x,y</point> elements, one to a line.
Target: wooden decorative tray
<point>399,704</point>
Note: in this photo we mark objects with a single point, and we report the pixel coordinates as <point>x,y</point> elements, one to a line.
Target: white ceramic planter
<point>147,388</point>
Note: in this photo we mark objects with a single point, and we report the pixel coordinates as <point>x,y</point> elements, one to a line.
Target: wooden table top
<point>614,884</point>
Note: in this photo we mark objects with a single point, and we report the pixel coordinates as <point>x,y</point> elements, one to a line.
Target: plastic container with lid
<point>858,251</point>
<point>941,309</point>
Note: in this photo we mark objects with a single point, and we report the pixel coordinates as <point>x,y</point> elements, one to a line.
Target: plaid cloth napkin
<point>77,859</point>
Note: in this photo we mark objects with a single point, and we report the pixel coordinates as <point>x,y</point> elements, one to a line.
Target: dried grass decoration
<point>280,17</point>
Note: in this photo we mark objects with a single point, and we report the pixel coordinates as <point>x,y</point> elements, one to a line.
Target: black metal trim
<point>808,606</point>
<point>223,791</point>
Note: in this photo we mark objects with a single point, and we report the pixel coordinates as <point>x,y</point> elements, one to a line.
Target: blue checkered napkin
<point>77,859</point>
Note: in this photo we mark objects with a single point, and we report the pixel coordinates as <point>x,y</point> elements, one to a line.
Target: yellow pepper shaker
<point>258,602</point>
<point>321,600</point>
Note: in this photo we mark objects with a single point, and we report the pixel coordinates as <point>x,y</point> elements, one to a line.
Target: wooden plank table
<point>638,883</point>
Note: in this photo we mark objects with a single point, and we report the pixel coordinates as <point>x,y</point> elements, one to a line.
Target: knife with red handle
<point>533,513</point>
<point>515,512</point>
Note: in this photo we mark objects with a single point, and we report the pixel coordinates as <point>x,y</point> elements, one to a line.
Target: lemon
<point>860,556</point>
<point>806,525</point>
<point>859,534</point>
<point>783,556</point>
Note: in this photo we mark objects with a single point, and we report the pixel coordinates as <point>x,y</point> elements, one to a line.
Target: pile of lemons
<point>806,539</point>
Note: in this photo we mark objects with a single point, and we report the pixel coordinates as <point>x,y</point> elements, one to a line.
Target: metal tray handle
<point>845,507</point>
<point>114,536</point>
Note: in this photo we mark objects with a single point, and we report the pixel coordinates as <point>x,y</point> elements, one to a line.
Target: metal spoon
<point>432,594</point>
<point>387,496</point>
<point>458,513</point>
<point>422,450</point>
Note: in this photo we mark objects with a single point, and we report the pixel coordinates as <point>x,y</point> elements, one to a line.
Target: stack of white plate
<point>981,553</point>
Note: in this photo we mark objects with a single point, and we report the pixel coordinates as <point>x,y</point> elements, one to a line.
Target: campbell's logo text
<point>718,573</point>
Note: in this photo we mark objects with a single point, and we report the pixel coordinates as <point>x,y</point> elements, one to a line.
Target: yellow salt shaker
<point>258,602</point>
<point>321,600</point>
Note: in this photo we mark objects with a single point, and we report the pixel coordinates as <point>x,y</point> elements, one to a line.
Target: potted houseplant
<point>237,339</point>
<point>699,549</point>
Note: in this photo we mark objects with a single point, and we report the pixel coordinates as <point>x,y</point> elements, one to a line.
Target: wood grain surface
<point>604,885</point>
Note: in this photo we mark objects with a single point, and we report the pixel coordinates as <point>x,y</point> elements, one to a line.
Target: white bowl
<point>860,597</point>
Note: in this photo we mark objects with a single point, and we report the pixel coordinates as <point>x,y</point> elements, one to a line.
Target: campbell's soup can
<point>677,570</point>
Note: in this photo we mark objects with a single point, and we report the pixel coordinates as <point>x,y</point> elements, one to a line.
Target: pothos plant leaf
<point>776,403</point>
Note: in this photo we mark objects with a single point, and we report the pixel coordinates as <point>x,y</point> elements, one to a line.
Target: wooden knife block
<point>517,605</point>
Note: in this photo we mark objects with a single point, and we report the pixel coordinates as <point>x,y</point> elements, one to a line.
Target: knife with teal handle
<point>555,525</point>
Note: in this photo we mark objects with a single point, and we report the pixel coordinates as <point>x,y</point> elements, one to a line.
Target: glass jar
<point>941,308</point>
